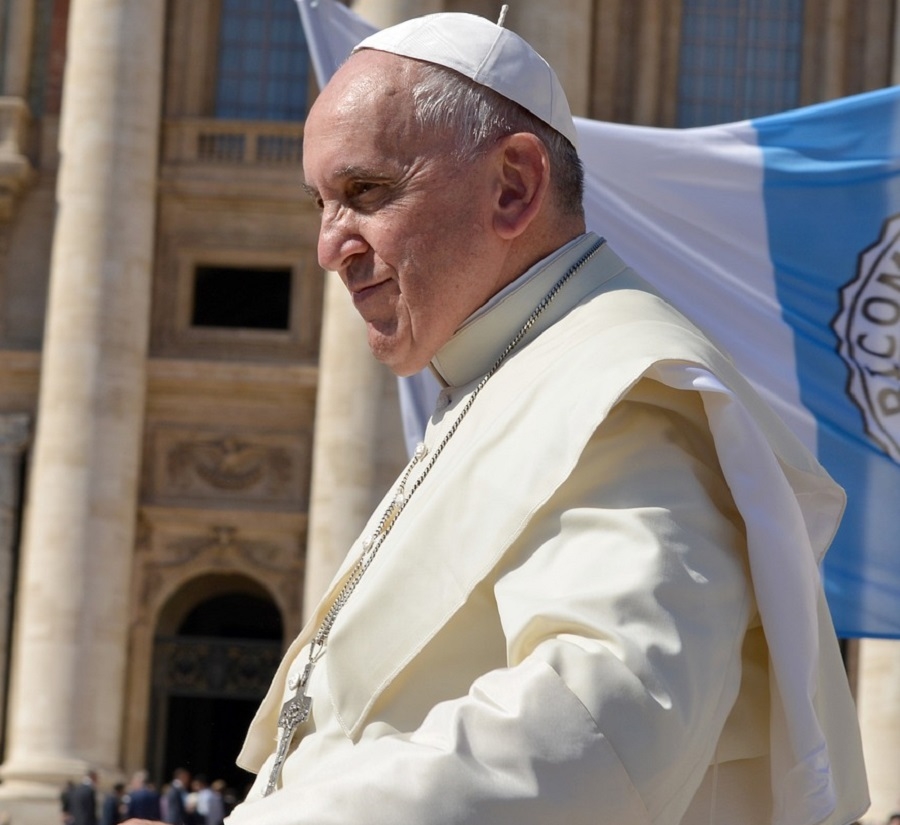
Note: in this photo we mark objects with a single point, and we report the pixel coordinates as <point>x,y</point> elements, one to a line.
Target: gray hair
<point>445,101</point>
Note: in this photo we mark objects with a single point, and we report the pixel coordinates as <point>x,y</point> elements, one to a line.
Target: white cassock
<point>601,604</point>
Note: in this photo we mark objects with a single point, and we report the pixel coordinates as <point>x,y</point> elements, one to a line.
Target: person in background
<point>197,800</point>
<point>215,803</point>
<point>83,800</point>
<point>114,805</point>
<point>65,803</point>
<point>175,807</point>
<point>143,800</point>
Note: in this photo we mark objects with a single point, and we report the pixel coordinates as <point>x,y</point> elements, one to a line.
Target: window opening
<point>263,71</point>
<point>249,298</point>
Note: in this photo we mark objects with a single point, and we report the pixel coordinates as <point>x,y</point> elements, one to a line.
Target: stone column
<point>70,637</point>
<point>878,700</point>
<point>561,32</point>
<point>15,430</point>
<point>18,39</point>
<point>384,13</point>
<point>895,63</point>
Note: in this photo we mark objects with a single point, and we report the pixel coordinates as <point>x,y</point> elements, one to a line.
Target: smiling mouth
<point>361,294</point>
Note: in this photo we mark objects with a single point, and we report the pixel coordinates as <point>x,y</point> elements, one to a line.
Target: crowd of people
<point>185,800</point>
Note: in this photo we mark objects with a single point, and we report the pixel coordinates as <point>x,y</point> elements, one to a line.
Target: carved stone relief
<point>268,470</point>
<point>172,550</point>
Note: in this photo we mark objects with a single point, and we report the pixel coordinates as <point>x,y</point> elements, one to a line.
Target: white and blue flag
<point>780,237</point>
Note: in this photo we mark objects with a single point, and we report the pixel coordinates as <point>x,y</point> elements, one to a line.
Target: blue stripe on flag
<point>831,187</point>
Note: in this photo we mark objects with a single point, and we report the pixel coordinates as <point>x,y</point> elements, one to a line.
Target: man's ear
<point>523,182</point>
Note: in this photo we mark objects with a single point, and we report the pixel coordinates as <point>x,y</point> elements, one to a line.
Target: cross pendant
<point>294,712</point>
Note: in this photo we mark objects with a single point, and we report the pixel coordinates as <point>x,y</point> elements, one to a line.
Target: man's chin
<point>402,364</point>
<point>402,368</point>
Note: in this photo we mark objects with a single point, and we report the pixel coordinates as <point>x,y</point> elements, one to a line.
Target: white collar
<point>480,340</point>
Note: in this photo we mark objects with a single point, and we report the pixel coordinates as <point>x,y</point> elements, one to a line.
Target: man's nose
<point>339,238</point>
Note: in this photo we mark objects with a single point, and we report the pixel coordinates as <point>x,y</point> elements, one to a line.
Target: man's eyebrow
<point>351,172</point>
<point>354,172</point>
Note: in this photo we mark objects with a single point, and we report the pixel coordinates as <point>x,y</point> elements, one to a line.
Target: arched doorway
<point>212,663</point>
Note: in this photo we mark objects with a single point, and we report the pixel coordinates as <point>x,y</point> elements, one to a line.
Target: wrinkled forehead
<point>368,104</point>
<point>364,118</point>
<point>368,80</point>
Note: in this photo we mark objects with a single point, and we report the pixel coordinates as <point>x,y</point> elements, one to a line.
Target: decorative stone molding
<point>184,555</point>
<point>16,170</point>
<point>228,464</point>
<point>239,142</point>
<point>222,544</point>
<point>267,469</point>
<point>176,545</point>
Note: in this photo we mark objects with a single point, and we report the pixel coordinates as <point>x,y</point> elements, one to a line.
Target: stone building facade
<point>191,429</point>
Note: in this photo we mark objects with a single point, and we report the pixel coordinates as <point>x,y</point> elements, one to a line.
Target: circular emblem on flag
<point>868,327</point>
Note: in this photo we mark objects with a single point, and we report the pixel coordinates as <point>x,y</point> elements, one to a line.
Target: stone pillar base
<point>31,789</point>
<point>30,803</point>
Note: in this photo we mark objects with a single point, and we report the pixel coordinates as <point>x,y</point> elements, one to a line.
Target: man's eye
<point>359,189</point>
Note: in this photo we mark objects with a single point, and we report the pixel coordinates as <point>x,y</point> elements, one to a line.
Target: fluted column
<point>70,637</point>
<point>15,429</point>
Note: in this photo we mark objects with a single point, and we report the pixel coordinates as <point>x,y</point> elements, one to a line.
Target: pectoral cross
<point>294,712</point>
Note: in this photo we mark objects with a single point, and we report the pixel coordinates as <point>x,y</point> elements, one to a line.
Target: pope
<point>593,595</point>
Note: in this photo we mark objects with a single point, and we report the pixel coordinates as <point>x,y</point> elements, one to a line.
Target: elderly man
<point>592,596</point>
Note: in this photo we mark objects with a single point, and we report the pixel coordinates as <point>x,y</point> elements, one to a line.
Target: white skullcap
<point>486,53</point>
